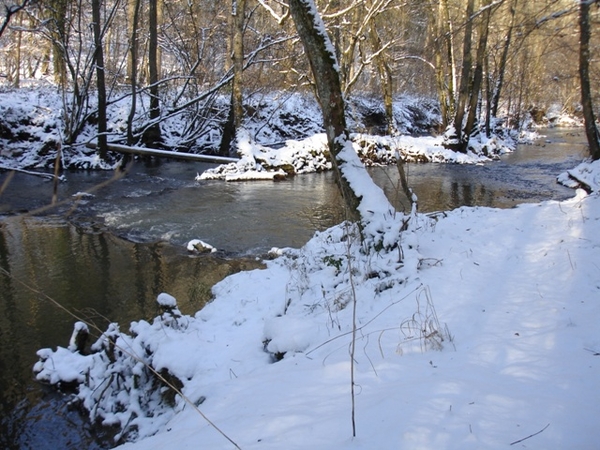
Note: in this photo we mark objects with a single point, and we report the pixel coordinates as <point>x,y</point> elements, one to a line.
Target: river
<point>107,256</point>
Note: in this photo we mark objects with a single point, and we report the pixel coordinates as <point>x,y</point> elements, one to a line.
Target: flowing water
<point>108,255</point>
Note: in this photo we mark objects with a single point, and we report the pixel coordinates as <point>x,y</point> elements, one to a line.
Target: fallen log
<point>165,153</point>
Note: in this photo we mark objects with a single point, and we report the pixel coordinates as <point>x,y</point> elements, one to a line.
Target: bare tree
<point>445,70</point>
<point>100,78</point>
<point>476,82</point>
<point>133,13</point>
<point>9,11</point>
<point>591,130</point>
<point>236,110</point>
<point>386,78</point>
<point>152,134</point>
<point>464,122</point>
<point>497,90</point>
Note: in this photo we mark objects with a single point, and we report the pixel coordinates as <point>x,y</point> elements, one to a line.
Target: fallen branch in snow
<point>530,436</point>
<point>165,153</point>
<point>29,172</point>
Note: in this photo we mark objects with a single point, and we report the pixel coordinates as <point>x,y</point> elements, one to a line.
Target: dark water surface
<point>527,175</point>
<point>99,278</point>
<point>109,255</point>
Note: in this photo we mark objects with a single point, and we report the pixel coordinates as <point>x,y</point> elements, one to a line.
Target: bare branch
<point>277,17</point>
<point>11,11</point>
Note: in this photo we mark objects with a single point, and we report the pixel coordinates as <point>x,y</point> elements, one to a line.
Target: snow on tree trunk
<point>367,204</point>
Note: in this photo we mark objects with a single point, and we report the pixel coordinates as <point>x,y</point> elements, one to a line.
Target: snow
<point>166,300</point>
<point>283,135</point>
<point>475,328</point>
<point>478,331</point>
<point>198,245</point>
<point>587,174</point>
<point>319,26</point>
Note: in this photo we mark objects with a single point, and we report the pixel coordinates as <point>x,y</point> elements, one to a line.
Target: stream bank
<point>109,257</point>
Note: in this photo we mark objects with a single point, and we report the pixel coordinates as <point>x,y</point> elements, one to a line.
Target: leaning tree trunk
<point>591,130</point>
<point>320,53</point>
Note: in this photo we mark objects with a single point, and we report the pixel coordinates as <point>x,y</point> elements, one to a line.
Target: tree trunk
<point>17,78</point>
<point>503,60</point>
<point>100,79</point>
<point>591,130</point>
<point>385,79</point>
<point>465,81</point>
<point>152,135</point>
<point>59,38</point>
<point>445,71</point>
<point>133,13</point>
<point>236,111</point>
<point>320,53</point>
<point>470,123</point>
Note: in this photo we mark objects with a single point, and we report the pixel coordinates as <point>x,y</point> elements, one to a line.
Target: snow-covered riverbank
<point>282,136</point>
<point>479,331</point>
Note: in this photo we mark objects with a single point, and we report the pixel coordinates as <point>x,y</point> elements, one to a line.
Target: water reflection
<point>524,176</point>
<point>102,277</point>
<point>99,278</point>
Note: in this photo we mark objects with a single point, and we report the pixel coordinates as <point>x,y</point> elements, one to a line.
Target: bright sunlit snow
<point>475,328</point>
<point>480,330</point>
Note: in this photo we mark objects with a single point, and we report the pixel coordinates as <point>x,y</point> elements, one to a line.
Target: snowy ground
<point>479,331</point>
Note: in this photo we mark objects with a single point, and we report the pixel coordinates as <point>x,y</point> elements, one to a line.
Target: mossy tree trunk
<point>443,52</point>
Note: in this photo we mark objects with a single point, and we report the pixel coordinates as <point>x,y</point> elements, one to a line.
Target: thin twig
<point>124,350</point>
<point>49,176</point>
<point>117,176</point>
<point>353,342</point>
<point>366,324</point>
<point>530,436</point>
<point>9,177</point>
<point>570,261</point>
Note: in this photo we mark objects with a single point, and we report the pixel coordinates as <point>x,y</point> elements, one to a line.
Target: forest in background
<point>482,60</point>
